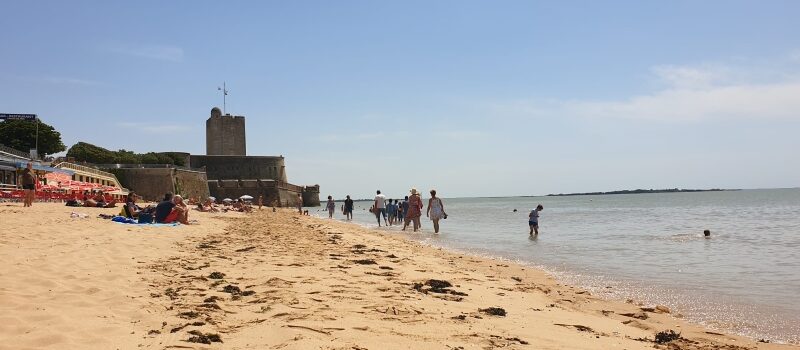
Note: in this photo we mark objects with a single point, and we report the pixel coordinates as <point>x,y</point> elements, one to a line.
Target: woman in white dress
<point>435,210</point>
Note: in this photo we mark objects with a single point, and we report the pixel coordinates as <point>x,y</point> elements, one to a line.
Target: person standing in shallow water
<point>331,207</point>
<point>414,210</point>
<point>533,220</point>
<point>380,208</point>
<point>435,210</point>
<point>348,208</point>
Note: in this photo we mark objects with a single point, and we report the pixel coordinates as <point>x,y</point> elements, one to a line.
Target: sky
<point>473,98</point>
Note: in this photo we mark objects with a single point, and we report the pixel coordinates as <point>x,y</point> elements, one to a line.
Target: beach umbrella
<point>227,200</point>
<point>246,197</point>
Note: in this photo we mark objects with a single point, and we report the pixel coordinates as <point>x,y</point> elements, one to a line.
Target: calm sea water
<point>650,247</point>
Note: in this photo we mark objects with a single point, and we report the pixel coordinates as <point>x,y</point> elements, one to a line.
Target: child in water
<point>533,220</point>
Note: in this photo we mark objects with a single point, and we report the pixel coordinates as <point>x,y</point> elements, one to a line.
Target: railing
<point>290,187</point>
<point>147,166</point>
<point>8,187</point>
<point>14,151</point>
<point>86,169</point>
<point>93,171</point>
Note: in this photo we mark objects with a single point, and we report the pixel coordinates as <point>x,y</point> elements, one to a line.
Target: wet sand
<point>280,281</point>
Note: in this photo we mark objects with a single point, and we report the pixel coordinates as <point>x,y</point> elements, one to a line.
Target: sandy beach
<point>276,280</point>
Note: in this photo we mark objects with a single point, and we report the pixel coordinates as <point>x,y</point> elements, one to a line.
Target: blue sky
<point>474,98</point>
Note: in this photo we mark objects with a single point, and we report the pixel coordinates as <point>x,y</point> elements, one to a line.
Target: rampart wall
<point>273,192</point>
<point>152,183</point>
<point>241,167</point>
<point>311,196</point>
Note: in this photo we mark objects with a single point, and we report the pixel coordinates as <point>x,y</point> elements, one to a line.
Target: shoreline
<point>616,290</point>
<point>295,282</point>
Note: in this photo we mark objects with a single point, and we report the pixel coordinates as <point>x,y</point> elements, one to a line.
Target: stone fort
<point>231,173</point>
<point>225,171</point>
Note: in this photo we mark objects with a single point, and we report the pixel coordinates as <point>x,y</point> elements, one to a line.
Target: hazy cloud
<point>155,127</point>
<point>461,135</point>
<point>58,80</point>
<point>688,94</point>
<point>684,77</point>
<point>362,136</point>
<point>743,101</point>
<point>156,52</point>
<point>795,56</point>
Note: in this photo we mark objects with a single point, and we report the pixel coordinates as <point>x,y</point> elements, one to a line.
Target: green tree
<point>85,152</point>
<point>126,157</point>
<point>21,134</point>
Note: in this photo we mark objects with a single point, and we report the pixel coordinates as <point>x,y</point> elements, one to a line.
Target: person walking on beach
<point>348,208</point>
<point>29,185</point>
<point>533,220</point>
<point>414,210</point>
<point>380,208</point>
<point>299,204</point>
<point>331,207</point>
<point>435,210</point>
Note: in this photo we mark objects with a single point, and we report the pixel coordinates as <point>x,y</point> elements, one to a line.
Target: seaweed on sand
<point>494,311</point>
<point>667,336</point>
<point>204,338</point>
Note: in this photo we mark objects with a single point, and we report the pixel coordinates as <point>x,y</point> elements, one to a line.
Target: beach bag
<point>145,218</point>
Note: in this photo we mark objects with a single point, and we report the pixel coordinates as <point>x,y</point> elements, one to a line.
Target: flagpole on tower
<point>224,90</point>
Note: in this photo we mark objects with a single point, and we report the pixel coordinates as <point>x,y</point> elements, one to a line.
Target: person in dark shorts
<point>380,208</point>
<point>164,208</point>
<point>29,185</point>
<point>405,207</point>
<point>533,220</point>
<point>348,208</point>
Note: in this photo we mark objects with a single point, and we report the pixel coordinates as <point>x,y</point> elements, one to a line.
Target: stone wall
<point>311,196</point>
<point>241,167</point>
<point>190,183</point>
<point>152,183</point>
<point>281,194</point>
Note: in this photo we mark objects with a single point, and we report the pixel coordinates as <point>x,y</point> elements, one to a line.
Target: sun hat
<point>413,190</point>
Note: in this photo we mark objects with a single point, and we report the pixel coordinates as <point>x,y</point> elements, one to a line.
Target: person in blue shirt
<point>404,206</point>
<point>392,209</point>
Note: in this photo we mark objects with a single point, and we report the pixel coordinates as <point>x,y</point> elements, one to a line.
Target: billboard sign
<point>13,116</point>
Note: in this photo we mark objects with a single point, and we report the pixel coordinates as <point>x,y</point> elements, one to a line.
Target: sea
<point>650,248</point>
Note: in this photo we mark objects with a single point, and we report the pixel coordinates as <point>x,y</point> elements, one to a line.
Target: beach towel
<point>148,225</point>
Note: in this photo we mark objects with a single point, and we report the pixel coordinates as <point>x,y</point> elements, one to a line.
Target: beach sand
<point>281,281</point>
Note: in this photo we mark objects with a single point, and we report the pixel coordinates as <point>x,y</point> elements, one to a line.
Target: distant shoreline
<point>639,191</point>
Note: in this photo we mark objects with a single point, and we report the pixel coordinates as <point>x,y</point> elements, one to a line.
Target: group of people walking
<point>409,211</point>
<point>393,211</point>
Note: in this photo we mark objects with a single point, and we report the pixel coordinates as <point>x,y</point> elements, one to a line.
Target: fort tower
<point>225,134</point>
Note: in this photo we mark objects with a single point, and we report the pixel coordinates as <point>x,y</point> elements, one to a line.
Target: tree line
<point>86,152</point>
<point>21,135</point>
